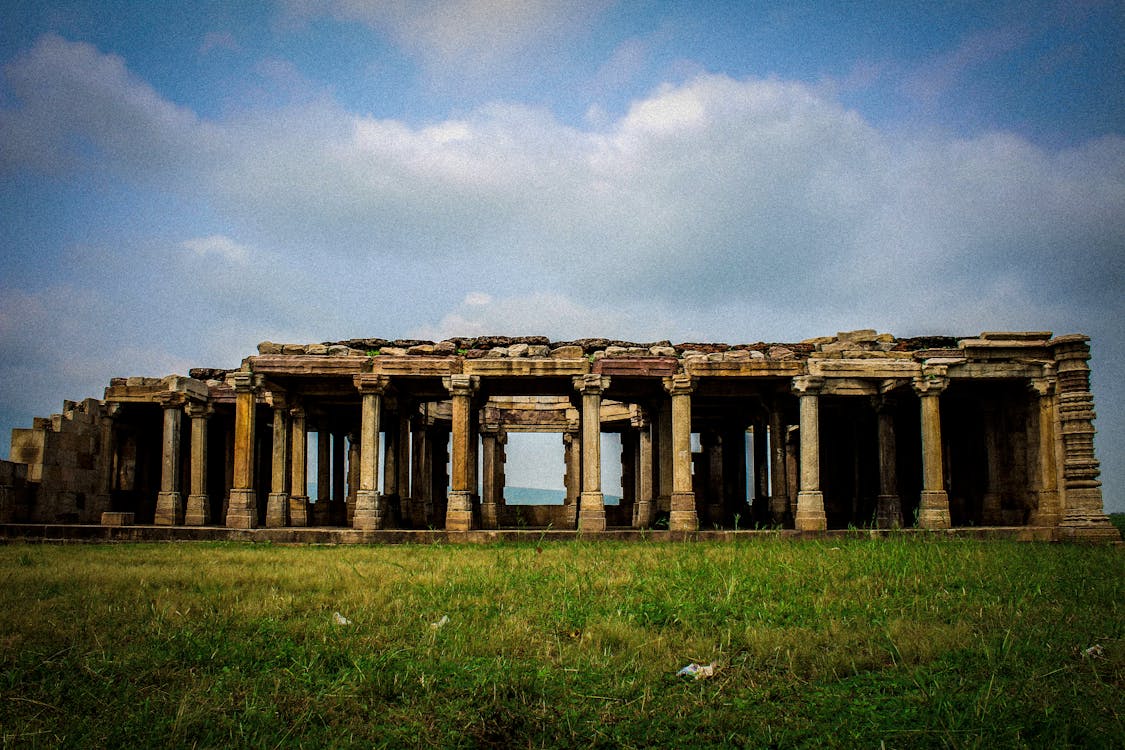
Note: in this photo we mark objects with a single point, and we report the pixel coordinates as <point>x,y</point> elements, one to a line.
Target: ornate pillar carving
<point>683,516</point>
<point>459,508</point>
<point>242,510</point>
<point>169,501</point>
<point>810,500</point>
<point>888,505</point>
<point>369,510</point>
<point>933,508</point>
<point>299,464</point>
<point>1083,513</point>
<point>277,505</point>
<point>591,504</point>
<point>198,509</point>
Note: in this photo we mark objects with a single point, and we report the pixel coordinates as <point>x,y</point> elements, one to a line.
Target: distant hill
<point>535,496</point>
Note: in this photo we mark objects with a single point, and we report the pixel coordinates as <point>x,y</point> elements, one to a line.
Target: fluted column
<point>591,503</point>
<point>1047,511</point>
<point>779,489</point>
<point>299,466</point>
<point>1083,513</point>
<point>369,511</point>
<point>888,505</point>
<point>933,508</point>
<point>242,510</point>
<point>810,500</point>
<point>277,505</point>
<point>459,507</point>
<point>169,501</point>
<point>198,509</point>
<point>683,516</point>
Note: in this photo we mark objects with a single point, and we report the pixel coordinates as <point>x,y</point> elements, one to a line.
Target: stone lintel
<point>416,366</point>
<point>1037,336</point>
<point>296,364</point>
<point>994,370</point>
<point>526,367</point>
<point>864,368</point>
<point>746,368</point>
<point>636,366</point>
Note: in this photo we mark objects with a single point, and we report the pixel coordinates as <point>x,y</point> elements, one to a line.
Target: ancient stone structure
<point>860,429</point>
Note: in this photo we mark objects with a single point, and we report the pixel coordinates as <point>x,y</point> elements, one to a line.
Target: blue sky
<point>182,180</point>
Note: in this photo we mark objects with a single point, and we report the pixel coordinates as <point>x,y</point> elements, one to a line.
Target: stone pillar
<point>198,510</point>
<point>779,489</point>
<point>643,507</point>
<point>1083,513</point>
<point>107,450</point>
<point>489,507</point>
<point>242,509</point>
<point>888,505</point>
<point>933,509</point>
<point>682,502</point>
<point>402,464</point>
<point>420,476</point>
<point>353,477</point>
<point>761,471</point>
<point>991,513</point>
<point>277,506</point>
<point>299,465</point>
<point>572,479</point>
<point>337,511</point>
<point>1048,511</point>
<point>712,445</point>
<point>591,505</point>
<point>369,510</point>
<point>628,474</point>
<point>322,509</point>
<point>663,454</point>
<point>169,501</point>
<point>810,500</point>
<point>459,507</point>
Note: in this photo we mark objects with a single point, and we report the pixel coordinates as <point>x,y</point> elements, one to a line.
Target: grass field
<point>850,643</point>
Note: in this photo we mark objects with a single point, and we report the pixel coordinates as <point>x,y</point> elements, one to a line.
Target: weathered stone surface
<point>445,348</point>
<point>863,335</point>
<point>497,352</point>
<point>517,350</point>
<point>319,349</point>
<point>420,349</point>
<point>781,352</point>
<point>662,350</point>
<point>570,351</point>
<point>538,350</point>
<point>292,348</point>
<point>392,351</point>
<point>268,347</point>
<point>338,350</point>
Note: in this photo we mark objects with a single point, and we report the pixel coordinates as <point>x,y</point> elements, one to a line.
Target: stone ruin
<point>855,430</point>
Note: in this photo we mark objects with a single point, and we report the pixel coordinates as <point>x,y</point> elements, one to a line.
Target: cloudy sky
<point>178,183</point>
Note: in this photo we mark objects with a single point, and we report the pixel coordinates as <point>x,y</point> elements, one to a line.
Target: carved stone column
<point>242,510</point>
<point>933,509</point>
<point>322,509</point>
<point>353,477</point>
<point>810,500</point>
<point>420,479</point>
<point>683,516</point>
<point>591,505</point>
<point>991,513</point>
<point>664,453</point>
<point>643,509</point>
<point>299,464</point>
<point>459,508</point>
<point>198,510</point>
<point>888,505</point>
<point>107,451</point>
<point>337,511</point>
<point>779,490</point>
<point>277,505</point>
<point>712,445</point>
<point>169,501</point>
<point>572,479</point>
<point>1083,513</point>
<point>369,511</point>
<point>489,507</point>
<point>405,502</point>
<point>1048,511</point>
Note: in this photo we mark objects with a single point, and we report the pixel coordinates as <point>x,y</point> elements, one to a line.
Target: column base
<point>169,509</point>
<point>642,514</point>
<point>369,509</point>
<point>1088,527</point>
<point>1046,512</point>
<point>298,510</point>
<point>570,513</point>
<point>933,510</point>
<point>242,509</point>
<point>277,510</point>
<point>810,511</point>
<point>682,516</point>
<point>459,511</point>
<point>591,512</point>
<point>198,510</point>
<point>779,509</point>
<point>489,515</point>
<point>888,512</point>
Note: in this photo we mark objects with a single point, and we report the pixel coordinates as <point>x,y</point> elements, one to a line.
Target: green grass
<point>859,643</point>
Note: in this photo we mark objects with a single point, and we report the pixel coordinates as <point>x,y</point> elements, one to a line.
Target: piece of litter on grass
<point>1095,651</point>
<point>697,671</point>
<point>440,623</point>
<point>339,619</point>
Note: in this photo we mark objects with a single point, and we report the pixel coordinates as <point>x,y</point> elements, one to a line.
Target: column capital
<point>172,400</point>
<point>461,385</point>
<point>297,412</point>
<point>369,382</point>
<point>199,409</point>
<point>932,381</point>
<point>807,385</point>
<point>243,381</point>
<point>884,402</point>
<point>591,384</point>
<point>278,400</point>
<point>1042,386</point>
<point>680,384</point>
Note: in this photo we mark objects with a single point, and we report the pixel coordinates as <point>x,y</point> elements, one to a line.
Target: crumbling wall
<point>15,494</point>
<point>61,458</point>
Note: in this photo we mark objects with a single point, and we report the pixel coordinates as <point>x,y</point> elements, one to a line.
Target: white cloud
<point>217,244</point>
